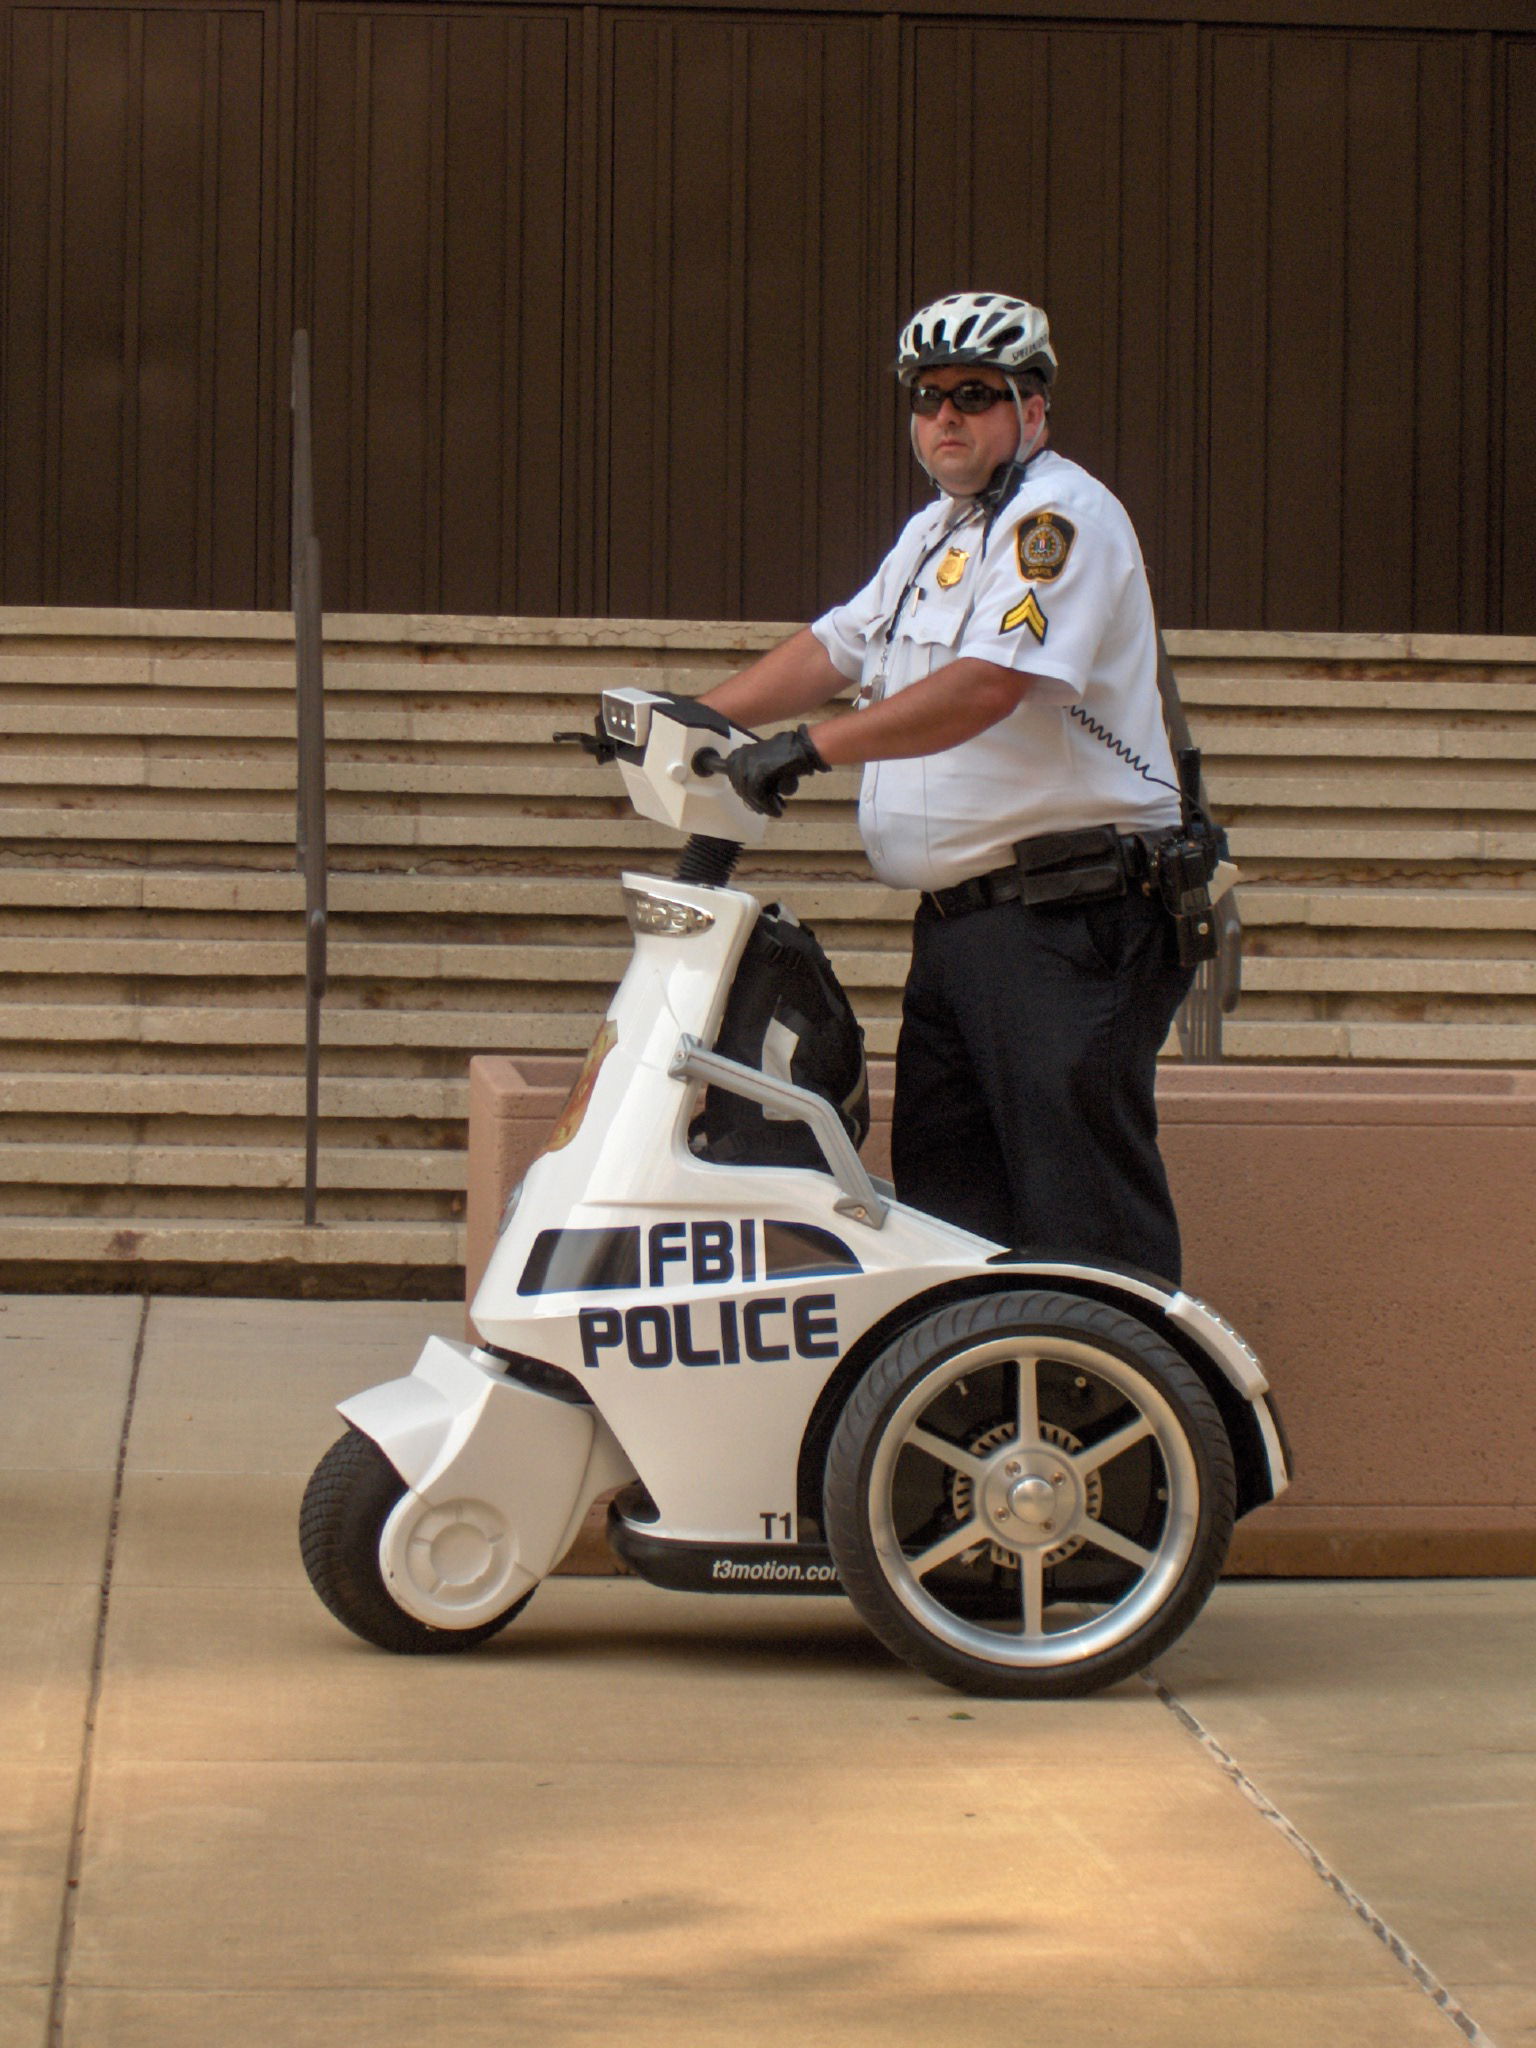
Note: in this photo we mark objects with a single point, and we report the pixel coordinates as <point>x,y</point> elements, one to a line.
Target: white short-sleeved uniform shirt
<point>1058,590</point>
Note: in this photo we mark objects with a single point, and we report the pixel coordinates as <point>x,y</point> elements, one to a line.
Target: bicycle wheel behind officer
<point>1016,772</point>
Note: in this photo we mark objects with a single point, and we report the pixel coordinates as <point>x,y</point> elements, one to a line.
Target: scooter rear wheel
<point>1029,1495</point>
<point>350,1496</point>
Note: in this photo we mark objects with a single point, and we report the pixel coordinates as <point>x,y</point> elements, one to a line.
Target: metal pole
<point>310,821</point>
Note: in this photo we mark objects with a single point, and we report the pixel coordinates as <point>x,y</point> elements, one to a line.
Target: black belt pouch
<point>1071,867</point>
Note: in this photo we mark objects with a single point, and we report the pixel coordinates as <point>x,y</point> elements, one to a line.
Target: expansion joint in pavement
<point>69,1904</point>
<point>1363,1910</point>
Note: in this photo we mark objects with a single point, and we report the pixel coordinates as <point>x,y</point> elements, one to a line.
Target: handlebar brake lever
<point>598,744</point>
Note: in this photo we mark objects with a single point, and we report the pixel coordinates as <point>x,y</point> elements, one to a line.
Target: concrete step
<point>65,1241</point>
<point>241,1097</point>
<point>148,733</point>
<point>227,1027</point>
<point>164,892</point>
<point>353,1167</point>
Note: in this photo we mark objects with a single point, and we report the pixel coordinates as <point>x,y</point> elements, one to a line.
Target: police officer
<point>1017,773</point>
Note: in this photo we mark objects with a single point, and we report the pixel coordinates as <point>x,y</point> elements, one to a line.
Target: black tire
<point>1029,1495</point>
<point>350,1496</point>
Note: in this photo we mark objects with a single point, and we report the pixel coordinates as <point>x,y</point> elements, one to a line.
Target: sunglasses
<point>973,396</point>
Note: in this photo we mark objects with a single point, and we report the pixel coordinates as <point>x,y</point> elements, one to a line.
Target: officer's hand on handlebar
<point>766,772</point>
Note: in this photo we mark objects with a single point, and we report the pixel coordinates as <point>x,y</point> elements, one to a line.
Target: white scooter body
<point>651,1316</point>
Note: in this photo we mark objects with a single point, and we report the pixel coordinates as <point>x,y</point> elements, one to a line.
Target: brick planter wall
<point>1368,1231</point>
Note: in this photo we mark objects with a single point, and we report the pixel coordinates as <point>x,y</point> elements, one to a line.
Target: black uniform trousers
<point>1025,1071</point>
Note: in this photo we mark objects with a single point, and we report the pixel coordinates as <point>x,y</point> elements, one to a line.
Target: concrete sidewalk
<point>645,1818</point>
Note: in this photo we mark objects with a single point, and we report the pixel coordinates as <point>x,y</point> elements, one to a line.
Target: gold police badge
<point>1044,543</point>
<point>951,569</point>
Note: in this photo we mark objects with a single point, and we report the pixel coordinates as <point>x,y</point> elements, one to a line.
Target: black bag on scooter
<point>786,1015</point>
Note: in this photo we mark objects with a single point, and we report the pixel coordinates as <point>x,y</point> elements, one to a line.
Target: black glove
<point>766,772</point>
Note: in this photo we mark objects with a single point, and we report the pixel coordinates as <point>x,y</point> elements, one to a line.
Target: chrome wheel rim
<point>1029,1498</point>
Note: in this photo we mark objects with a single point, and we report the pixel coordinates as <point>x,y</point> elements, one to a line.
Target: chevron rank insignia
<point>1027,614</point>
<point>1044,543</point>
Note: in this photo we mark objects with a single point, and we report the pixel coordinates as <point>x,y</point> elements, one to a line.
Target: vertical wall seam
<point>208,311</point>
<point>812,187</point>
<point>592,418</point>
<point>891,157</point>
<point>514,72</point>
<point>1182,278</point>
<point>1346,439</point>
<point>356,410</point>
<point>53,371</point>
<point>1416,439</point>
<point>1113,256</point>
<point>1205,340</point>
<point>434,480</point>
<point>1492,85</point>
<point>266,587</point>
<point>963,213</point>
<point>128,478</point>
<point>738,366</point>
<point>1265,271</point>
<point>664,224</point>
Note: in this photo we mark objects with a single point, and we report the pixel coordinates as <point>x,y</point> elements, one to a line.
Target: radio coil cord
<point>1106,738</point>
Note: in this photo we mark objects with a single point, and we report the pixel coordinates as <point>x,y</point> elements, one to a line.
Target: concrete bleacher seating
<point>1381,795</point>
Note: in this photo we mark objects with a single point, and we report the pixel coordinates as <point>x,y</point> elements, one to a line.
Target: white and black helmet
<point>986,328</point>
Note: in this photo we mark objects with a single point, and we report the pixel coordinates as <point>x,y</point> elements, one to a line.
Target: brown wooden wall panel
<point>1348,286</point>
<point>741,329</point>
<point>1071,195</point>
<point>438,280</point>
<point>604,296</point>
<point>139,302</point>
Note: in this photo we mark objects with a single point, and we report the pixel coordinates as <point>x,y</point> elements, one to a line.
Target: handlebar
<point>708,761</point>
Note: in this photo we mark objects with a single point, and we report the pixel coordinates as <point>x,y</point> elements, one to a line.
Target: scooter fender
<point>498,1478</point>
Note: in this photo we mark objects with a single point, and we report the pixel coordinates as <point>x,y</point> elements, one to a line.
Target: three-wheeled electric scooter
<point>1022,1470</point>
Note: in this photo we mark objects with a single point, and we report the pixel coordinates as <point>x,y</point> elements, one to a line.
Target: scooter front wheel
<point>351,1495</point>
<point>1029,1495</point>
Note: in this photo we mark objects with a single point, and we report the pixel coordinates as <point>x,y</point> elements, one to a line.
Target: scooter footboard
<point>479,1451</point>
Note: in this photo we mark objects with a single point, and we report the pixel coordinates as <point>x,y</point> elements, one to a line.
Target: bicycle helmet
<point>987,328</point>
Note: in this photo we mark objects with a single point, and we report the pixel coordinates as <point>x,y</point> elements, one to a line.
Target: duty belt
<point>1057,867</point>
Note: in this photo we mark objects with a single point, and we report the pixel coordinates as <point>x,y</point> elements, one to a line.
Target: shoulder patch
<point>1027,614</point>
<point>1044,543</point>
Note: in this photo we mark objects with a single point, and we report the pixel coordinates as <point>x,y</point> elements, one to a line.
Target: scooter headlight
<point>627,716</point>
<point>648,912</point>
